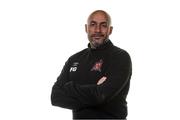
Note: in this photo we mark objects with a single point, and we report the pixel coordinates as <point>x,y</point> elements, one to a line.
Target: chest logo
<point>74,67</point>
<point>97,66</point>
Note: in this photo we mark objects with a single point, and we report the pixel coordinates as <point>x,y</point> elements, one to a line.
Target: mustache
<point>97,35</point>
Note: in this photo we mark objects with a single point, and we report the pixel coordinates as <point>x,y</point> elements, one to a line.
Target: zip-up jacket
<point>76,87</point>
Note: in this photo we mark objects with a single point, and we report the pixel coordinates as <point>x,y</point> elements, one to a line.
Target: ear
<point>110,30</point>
<point>86,28</point>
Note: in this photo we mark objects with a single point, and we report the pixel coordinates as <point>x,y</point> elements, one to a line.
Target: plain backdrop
<point>38,36</point>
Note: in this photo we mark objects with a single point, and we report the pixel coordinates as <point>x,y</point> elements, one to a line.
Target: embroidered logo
<point>75,64</point>
<point>97,66</point>
<point>74,67</point>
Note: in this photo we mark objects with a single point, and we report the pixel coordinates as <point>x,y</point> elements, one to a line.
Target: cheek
<point>91,30</point>
<point>105,32</point>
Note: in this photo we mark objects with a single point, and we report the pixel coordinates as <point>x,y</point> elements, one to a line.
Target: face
<point>98,29</point>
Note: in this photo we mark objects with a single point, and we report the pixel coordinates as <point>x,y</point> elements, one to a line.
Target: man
<point>94,82</point>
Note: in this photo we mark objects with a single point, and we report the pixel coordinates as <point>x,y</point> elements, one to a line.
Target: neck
<point>94,47</point>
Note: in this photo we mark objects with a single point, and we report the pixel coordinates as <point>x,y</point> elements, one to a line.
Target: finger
<point>101,80</point>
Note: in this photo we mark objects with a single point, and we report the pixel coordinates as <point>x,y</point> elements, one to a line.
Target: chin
<point>97,44</point>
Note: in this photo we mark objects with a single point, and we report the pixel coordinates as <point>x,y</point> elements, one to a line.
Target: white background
<point>37,37</point>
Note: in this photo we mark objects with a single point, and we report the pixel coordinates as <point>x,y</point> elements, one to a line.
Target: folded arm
<point>75,96</point>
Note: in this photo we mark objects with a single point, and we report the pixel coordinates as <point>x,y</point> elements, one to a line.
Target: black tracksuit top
<point>76,87</point>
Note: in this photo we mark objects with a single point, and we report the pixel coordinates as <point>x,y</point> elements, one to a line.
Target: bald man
<point>94,82</point>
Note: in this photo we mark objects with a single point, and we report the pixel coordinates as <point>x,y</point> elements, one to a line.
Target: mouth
<point>97,36</point>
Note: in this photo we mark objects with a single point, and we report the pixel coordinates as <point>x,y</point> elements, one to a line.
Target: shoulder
<point>78,54</point>
<point>120,57</point>
<point>117,52</point>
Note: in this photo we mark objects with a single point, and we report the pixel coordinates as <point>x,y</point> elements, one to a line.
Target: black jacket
<point>76,88</point>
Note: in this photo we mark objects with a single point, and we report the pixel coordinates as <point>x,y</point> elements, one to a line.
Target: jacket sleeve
<point>59,96</point>
<point>118,74</point>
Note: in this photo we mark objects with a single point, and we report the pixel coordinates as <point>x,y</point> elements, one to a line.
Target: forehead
<point>98,17</point>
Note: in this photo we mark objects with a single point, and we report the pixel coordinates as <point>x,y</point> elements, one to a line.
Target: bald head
<point>98,28</point>
<point>100,12</point>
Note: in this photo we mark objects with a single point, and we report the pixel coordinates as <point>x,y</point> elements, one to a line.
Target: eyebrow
<point>96,22</point>
<point>104,22</point>
<point>92,21</point>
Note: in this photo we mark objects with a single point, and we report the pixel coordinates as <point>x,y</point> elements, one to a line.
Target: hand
<point>101,80</point>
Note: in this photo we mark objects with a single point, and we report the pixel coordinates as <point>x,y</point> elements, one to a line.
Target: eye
<point>104,25</point>
<point>92,24</point>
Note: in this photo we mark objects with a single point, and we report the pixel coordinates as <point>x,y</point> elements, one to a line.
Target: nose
<point>98,28</point>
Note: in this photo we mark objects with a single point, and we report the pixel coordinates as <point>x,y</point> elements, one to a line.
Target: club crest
<point>97,66</point>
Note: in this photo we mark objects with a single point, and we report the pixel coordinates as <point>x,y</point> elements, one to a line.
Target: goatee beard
<point>95,45</point>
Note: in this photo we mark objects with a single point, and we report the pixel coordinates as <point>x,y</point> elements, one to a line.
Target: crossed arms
<point>69,95</point>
